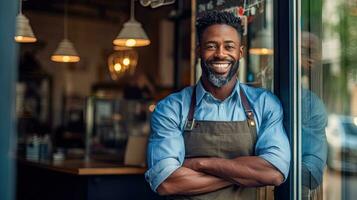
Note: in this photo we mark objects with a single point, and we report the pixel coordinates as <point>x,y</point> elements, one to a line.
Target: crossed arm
<point>201,175</point>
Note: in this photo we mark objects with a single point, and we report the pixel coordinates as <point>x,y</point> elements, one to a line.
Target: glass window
<point>328,99</point>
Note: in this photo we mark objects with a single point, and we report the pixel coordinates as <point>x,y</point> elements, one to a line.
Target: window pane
<point>260,64</point>
<point>328,99</point>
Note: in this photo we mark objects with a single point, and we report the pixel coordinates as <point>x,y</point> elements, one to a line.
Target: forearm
<point>185,181</point>
<point>251,171</point>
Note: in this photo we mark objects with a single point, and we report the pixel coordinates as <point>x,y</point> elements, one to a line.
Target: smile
<point>220,68</point>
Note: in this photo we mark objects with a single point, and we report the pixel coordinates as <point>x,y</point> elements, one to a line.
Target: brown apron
<point>224,139</point>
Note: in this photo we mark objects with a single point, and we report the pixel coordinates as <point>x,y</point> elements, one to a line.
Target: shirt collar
<point>201,92</point>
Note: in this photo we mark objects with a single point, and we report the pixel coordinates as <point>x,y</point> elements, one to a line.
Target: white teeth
<point>219,65</point>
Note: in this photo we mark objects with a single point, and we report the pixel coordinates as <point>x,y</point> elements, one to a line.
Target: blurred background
<point>80,79</point>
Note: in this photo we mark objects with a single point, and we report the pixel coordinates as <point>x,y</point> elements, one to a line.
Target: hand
<point>193,163</point>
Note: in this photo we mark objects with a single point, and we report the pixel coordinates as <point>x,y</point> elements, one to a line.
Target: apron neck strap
<point>245,102</point>
<point>192,105</point>
<point>247,109</point>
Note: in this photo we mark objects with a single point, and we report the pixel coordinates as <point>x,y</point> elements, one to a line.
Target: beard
<point>216,79</point>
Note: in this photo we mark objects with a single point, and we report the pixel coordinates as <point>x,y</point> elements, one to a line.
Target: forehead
<point>220,32</point>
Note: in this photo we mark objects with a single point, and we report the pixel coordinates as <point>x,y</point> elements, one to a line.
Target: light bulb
<point>130,42</point>
<point>65,58</point>
<point>117,67</point>
<point>126,61</point>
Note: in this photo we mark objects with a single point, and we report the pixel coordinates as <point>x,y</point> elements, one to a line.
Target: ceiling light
<point>24,33</point>
<point>122,62</point>
<point>65,51</point>
<point>132,34</point>
<point>262,44</point>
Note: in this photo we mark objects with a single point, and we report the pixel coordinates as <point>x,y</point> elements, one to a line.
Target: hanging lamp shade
<point>262,44</point>
<point>65,52</point>
<point>132,34</point>
<point>24,33</point>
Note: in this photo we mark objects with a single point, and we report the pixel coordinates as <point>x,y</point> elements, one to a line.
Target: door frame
<point>286,87</point>
<point>8,71</point>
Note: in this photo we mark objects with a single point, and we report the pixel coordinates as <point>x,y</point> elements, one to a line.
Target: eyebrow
<point>227,41</point>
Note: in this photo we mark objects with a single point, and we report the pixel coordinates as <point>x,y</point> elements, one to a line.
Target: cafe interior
<point>90,73</point>
<point>80,79</point>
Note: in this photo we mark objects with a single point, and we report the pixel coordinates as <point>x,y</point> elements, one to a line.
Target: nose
<point>220,52</point>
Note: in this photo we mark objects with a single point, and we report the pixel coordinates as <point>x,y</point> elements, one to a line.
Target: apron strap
<point>190,122</point>
<point>247,109</point>
<point>192,105</point>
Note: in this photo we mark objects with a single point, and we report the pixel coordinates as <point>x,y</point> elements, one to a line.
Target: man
<point>219,139</point>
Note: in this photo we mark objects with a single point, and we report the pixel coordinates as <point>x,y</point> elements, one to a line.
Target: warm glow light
<point>261,51</point>
<point>65,58</point>
<point>19,38</point>
<point>355,121</point>
<point>122,62</point>
<point>126,61</point>
<point>65,52</point>
<point>117,67</point>
<point>24,33</point>
<point>130,42</point>
<point>24,39</point>
<point>265,51</point>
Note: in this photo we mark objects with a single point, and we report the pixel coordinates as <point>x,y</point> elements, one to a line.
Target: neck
<point>220,93</point>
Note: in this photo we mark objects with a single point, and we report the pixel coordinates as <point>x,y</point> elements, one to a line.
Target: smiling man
<point>219,139</point>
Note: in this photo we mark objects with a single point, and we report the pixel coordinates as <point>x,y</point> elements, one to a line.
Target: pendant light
<point>262,44</point>
<point>24,33</point>
<point>65,51</point>
<point>132,34</point>
<point>123,61</point>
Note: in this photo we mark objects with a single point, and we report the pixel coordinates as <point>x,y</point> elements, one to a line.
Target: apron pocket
<point>201,144</point>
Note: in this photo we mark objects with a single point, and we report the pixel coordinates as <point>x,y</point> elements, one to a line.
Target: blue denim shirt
<point>166,149</point>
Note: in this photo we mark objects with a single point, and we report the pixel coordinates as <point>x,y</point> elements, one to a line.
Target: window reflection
<point>260,49</point>
<point>313,119</point>
<point>328,99</point>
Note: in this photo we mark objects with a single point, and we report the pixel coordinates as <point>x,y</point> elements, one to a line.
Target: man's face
<point>310,52</point>
<point>220,51</point>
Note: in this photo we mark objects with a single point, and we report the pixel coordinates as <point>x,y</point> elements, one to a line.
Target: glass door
<point>327,99</point>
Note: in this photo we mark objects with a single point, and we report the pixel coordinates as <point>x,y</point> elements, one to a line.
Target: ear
<point>241,51</point>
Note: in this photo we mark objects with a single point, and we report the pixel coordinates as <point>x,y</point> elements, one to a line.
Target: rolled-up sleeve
<point>273,144</point>
<point>165,151</point>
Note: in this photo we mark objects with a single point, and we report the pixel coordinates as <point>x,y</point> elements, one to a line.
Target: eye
<point>230,47</point>
<point>211,46</point>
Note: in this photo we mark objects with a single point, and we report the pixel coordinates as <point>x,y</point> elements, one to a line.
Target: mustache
<point>221,60</point>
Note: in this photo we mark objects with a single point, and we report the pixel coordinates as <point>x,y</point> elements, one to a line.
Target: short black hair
<point>209,18</point>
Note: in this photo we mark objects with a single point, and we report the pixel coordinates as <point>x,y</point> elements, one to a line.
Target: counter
<point>79,180</point>
<point>80,167</point>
